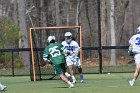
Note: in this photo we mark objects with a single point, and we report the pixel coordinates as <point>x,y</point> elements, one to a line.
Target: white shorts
<point>73,60</point>
<point>137,58</point>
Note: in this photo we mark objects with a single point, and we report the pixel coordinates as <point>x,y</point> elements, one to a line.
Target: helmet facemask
<point>68,39</point>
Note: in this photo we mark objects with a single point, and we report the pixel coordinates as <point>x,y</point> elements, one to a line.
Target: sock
<point>133,80</point>
<point>73,78</point>
<point>81,76</point>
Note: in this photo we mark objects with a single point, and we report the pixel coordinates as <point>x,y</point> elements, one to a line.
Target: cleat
<point>131,82</point>
<point>81,78</point>
<point>81,81</point>
<point>2,87</point>
<point>74,81</point>
<point>71,85</point>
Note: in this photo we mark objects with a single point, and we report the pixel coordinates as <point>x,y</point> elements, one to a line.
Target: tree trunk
<point>15,16</point>
<point>23,31</point>
<point>43,17</point>
<point>66,7</point>
<point>112,31</point>
<point>103,22</point>
<point>77,12</point>
<point>57,14</point>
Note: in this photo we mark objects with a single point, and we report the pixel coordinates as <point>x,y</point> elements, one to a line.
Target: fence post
<point>99,37</point>
<point>12,64</point>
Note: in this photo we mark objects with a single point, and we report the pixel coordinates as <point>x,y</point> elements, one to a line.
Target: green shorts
<point>60,68</point>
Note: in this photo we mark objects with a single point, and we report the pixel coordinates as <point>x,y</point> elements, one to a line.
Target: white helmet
<point>50,38</point>
<point>138,30</point>
<point>68,37</point>
<point>68,34</point>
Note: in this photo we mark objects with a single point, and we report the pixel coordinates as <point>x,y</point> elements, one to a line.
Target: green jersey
<point>54,53</point>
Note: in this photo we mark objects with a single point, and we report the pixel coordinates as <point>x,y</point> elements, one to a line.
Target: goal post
<point>38,41</point>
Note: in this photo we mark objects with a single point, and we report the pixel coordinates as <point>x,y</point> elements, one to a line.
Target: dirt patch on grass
<point>106,62</point>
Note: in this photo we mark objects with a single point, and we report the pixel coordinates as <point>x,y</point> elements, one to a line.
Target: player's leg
<point>68,76</point>
<point>136,74</point>
<point>79,66</point>
<point>70,68</point>
<point>62,69</point>
<point>66,73</point>
<point>81,74</point>
<point>66,80</point>
<point>137,69</point>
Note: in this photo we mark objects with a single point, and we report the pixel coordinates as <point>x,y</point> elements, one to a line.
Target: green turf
<point>94,83</point>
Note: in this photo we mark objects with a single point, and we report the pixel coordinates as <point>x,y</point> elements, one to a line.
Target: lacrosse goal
<point>38,41</point>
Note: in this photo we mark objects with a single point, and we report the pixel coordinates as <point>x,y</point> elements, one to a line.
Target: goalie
<point>53,53</point>
<point>134,50</point>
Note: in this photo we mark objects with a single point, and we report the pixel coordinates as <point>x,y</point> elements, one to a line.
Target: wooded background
<point>119,19</point>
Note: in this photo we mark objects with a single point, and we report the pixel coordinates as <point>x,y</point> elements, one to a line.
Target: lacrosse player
<point>134,50</point>
<point>54,54</point>
<point>72,58</point>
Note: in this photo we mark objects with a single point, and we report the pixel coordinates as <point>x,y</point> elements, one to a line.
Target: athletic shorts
<point>137,58</point>
<point>60,68</point>
<point>73,60</point>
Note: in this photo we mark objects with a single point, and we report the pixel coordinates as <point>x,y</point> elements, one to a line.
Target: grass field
<point>94,83</point>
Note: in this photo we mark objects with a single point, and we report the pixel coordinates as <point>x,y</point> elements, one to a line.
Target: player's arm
<point>46,57</point>
<point>77,49</point>
<point>65,51</point>
<point>130,50</point>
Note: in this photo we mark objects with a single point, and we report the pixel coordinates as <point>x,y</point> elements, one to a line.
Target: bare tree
<point>112,31</point>
<point>23,31</point>
<point>15,16</point>
<point>57,15</point>
<point>43,17</point>
<point>78,12</point>
<point>103,22</point>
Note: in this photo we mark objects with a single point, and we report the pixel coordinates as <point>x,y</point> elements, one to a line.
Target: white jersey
<point>74,48</point>
<point>135,43</point>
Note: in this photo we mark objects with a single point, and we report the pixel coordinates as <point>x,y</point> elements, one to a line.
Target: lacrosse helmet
<point>68,37</point>
<point>138,30</point>
<point>51,39</point>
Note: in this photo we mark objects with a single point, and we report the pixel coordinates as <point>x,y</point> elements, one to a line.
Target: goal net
<point>39,70</point>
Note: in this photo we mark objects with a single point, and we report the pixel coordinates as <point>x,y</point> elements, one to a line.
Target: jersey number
<point>138,41</point>
<point>54,51</point>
